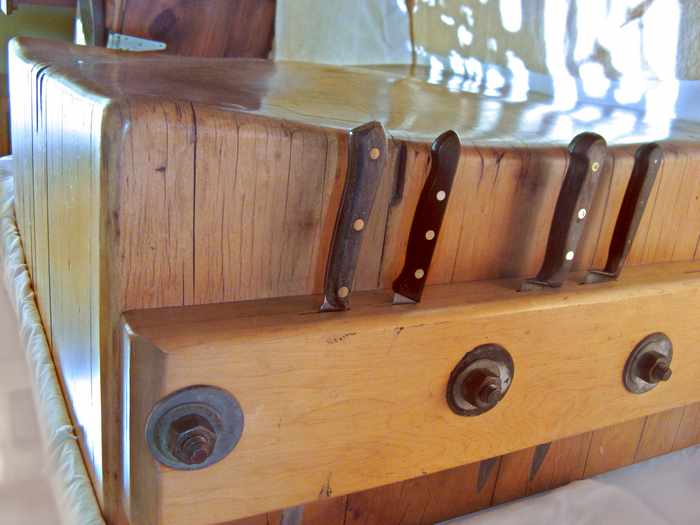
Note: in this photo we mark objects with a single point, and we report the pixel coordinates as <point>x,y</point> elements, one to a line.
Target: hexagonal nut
<point>482,388</point>
<point>191,439</point>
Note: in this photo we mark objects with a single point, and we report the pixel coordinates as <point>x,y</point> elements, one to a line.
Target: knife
<point>647,160</point>
<point>427,220</point>
<point>367,152</point>
<point>587,153</point>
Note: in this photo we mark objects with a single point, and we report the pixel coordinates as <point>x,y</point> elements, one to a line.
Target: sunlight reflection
<point>511,15</point>
<point>612,56</point>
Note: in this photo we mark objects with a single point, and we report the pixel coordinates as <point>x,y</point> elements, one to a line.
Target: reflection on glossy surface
<point>488,108</point>
<point>582,53</point>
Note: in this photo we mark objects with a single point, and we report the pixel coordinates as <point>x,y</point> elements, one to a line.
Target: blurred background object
<point>41,18</point>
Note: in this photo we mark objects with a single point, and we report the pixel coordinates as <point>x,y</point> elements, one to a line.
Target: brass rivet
<point>595,167</point>
<point>430,235</point>
<point>569,255</point>
<point>419,273</point>
<point>343,292</point>
<point>358,225</point>
<point>582,214</point>
<point>441,195</point>
<point>374,153</point>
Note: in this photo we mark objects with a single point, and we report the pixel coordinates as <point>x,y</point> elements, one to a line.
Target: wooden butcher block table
<point>184,220</point>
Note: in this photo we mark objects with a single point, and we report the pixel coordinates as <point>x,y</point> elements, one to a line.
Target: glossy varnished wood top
<point>414,106</point>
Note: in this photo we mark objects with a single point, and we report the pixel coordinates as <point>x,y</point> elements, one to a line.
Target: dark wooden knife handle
<point>587,156</point>
<point>367,154</point>
<point>427,220</point>
<point>647,161</point>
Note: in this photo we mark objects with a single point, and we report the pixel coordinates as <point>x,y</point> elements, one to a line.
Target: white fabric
<point>357,32</point>
<point>70,481</point>
<point>661,491</point>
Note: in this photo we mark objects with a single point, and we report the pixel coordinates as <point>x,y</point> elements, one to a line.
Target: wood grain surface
<point>207,28</point>
<point>145,181</point>
<point>343,403</point>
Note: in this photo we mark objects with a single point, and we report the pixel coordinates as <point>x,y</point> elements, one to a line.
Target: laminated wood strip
<point>71,216</point>
<point>41,225</point>
<point>686,228</point>
<point>659,434</point>
<point>689,429</point>
<point>157,206</point>
<point>302,214</point>
<point>667,208</point>
<point>460,208</point>
<point>513,476</point>
<point>565,462</point>
<point>216,159</point>
<point>614,447</point>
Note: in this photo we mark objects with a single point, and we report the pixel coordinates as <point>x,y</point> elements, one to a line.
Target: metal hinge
<point>133,43</point>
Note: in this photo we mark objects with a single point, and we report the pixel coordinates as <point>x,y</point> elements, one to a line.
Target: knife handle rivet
<point>595,167</point>
<point>419,273</point>
<point>582,214</point>
<point>430,235</point>
<point>374,153</point>
<point>441,195</point>
<point>569,255</point>
<point>343,292</point>
<point>358,225</point>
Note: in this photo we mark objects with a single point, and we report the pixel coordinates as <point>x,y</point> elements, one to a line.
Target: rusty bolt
<point>482,388</point>
<point>658,368</point>
<point>191,439</point>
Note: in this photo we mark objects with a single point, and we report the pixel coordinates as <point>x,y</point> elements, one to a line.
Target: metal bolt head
<point>374,153</point>
<point>489,394</point>
<point>191,439</point>
<point>658,368</point>
<point>482,388</point>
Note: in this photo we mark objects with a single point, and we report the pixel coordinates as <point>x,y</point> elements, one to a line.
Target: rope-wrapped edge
<point>69,478</point>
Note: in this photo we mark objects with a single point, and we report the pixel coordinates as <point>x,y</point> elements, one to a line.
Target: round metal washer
<point>656,342</point>
<point>489,356</point>
<point>219,407</point>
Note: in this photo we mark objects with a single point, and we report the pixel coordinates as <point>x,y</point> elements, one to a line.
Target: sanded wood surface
<point>196,181</point>
<point>344,402</point>
<point>510,478</point>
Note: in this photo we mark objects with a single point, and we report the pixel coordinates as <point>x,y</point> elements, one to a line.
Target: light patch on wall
<point>447,20</point>
<point>464,36</point>
<point>520,77</point>
<point>595,83</point>
<point>556,39</point>
<point>511,15</point>
<point>469,13</point>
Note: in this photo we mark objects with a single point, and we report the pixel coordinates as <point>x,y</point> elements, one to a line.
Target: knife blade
<point>587,155</point>
<point>647,161</point>
<point>427,220</point>
<point>367,152</point>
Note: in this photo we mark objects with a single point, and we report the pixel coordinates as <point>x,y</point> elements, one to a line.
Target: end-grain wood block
<point>149,181</point>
